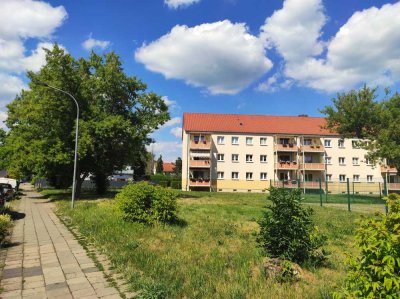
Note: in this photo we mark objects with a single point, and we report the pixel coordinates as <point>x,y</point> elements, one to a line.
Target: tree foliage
<point>116,116</point>
<point>160,165</point>
<point>375,272</point>
<point>358,114</point>
<point>287,230</point>
<point>178,166</point>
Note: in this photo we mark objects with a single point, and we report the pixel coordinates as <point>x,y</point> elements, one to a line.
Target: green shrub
<point>5,225</point>
<point>375,272</point>
<point>176,184</point>
<point>287,230</point>
<point>145,203</point>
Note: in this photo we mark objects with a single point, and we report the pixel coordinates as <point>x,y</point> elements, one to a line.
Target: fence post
<point>326,190</point>
<point>386,191</point>
<point>380,190</point>
<point>348,195</point>
<point>270,183</point>
<point>320,192</point>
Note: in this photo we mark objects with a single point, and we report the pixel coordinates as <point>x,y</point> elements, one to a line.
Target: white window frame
<point>370,178</point>
<point>249,140</point>
<point>354,145</point>
<point>344,161</point>
<point>328,160</point>
<point>263,139</point>
<point>249,176</point>
<point>235,175</point>
<point>356,178</point>
<point>342,176</point>
<point>249,158</point>
<point>219,156</point>
<point>261,159</point>
<point>220,140</point>
<point>236,139</point>
<point>328,143</point>
<point>356,160</point>
<point>265,174</point>
<point>368,161</point>
<point>328,177</point>
<point>237,160</point>
<point>220,175</point>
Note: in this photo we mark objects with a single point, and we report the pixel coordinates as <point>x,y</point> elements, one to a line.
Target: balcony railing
<point>199,183</point>
<point>389,169</point>
<point>319,148</point>
<point>200,145</point>
<point>393,186</point>
<point>313,166</point>
<point>199,163</point>
<point>286,165</point>
<point>296,184</point>
<point>286,147</point>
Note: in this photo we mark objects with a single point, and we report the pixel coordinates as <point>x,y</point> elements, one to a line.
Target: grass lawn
<point>213,254</point>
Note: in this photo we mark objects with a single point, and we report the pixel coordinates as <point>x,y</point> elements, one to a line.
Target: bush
<point>5,225</point>
<point>287,230</point>
<point>145,203</point>
<point>375,273</point>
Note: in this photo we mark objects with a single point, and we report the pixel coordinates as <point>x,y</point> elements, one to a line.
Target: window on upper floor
<point>342,161</point>
<point>263,158</point>
<point>263,176</point>
<point>249,176</point>
<point>368,161</point>
<point>249,158</point>
<point>355,144</point>
<point>355,161</point>
<point>342,178</point>
<point>328,160</point>
<point>307,141</point>
<point>328,177</point>
<point>284,140</point>
<point>308,177</point>
<point>249,140</point>
<point>220,175</point>
<point>263,140</point>
<point>327,143</point>
<point>220,157</point>
<point>235,140</point>
<point>235,158</point>
<point>341,143</point>
<point>308,159</point>
<point>235,175</point>
<point>220,139</point>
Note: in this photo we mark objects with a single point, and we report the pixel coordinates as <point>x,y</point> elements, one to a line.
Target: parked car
<point>8,191</point>
<point>14,183</point>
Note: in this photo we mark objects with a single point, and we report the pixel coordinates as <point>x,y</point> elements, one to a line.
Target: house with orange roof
<point>250,153</point>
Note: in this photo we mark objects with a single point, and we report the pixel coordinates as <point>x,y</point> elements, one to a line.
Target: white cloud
<point>179,3</point>
<point>170,150</point>
<point>91,43</point>
<point>3,117</point>
<point>177,132</point>
<point>172,122</point>
<point>21,20</point>
<point>168,102</point>
<point>10,86</point>
<point>27,18</point>
<point>366,49</point>
<point>223,57</point>
<point>270,85</point>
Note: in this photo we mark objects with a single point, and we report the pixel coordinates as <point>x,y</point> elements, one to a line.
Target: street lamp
<point>76,134</point>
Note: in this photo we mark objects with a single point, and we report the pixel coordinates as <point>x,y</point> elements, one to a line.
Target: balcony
<point>286,147</point>
<point>204,145</point>
<point>199,183</point>
<point>393,186</point>
<point>295,184</point>
<point>313,166</point>
<point>286,165</point>
<point>319,148</point>
<point>388,169</point>
<point>199,163</point>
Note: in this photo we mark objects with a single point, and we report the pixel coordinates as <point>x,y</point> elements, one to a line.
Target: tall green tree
<point>160,165</point>
<point>178,166</point>
<point>358,113</point>
<point>116,116</point>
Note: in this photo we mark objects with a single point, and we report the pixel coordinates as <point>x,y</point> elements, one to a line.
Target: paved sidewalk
<point>46,261</point>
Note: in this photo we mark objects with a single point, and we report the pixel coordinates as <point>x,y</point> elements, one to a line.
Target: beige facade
<point>250,162</point>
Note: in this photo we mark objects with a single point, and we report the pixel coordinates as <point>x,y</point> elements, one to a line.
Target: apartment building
<point>249,153</point>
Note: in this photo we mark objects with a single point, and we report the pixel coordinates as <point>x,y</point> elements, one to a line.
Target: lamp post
<point>76,135</point>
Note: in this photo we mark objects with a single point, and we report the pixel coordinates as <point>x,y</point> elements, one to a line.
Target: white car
<point>12,182</point>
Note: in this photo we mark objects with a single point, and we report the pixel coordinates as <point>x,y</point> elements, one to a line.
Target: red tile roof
<point>168,167</point>
<point>258,124</point>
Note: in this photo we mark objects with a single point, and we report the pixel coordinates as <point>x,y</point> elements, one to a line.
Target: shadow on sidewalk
<point>16,215</point>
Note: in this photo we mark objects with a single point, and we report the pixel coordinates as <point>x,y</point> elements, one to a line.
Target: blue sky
<point>222,56</point>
